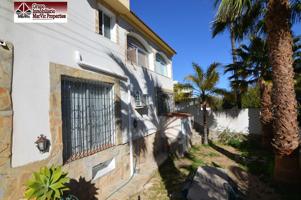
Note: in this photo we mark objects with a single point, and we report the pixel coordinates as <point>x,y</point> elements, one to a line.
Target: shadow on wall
<point>254,121</point>
<point>162,126</point>
<point>145,115</point>
<point>82,189</point>
<point>197,113</point>
<point>236,120</point>
<point>231,113</point>
<point>139,144</point>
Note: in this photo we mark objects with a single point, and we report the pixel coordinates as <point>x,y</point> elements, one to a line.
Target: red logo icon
<point>23,11</point>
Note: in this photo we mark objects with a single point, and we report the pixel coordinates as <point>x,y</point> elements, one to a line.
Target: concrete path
<point>137,182</point>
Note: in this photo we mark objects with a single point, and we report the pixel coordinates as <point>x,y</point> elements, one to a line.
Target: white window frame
<point>113,32</point>
<point>138,99</point>
<point>147,51</point>
<point>167,65</point>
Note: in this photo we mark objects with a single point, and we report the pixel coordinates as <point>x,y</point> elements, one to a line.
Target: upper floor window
<point>105,24</point>
<point>136,52</point>
<point>161,65</point>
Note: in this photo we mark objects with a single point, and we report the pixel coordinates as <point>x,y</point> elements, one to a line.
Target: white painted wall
<point>36,45</point>
<point>240,121</point>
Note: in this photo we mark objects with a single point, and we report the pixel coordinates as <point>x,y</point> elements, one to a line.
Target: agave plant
<point>47,184</point>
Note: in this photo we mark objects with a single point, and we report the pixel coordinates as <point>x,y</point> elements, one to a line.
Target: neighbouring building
<point>97,88</point>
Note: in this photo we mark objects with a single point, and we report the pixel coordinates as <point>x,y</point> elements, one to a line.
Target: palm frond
<point>231,9</point>
<point>212,68</point>
<point>193,79</point>
<point>218,27</point>
<point>199,71</point>
<point>219,91</point>
<point>211,80</point>
<point>295,11</point>
<point>204,82</point>
<point>246,23</point>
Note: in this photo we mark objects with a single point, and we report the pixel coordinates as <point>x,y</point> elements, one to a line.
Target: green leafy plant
<point>47,184</point>
<point>236,140</point>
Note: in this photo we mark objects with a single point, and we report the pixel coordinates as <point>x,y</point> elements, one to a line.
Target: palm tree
<point>218,27</point>
<point>255,59</point>
<point>204,86</point>
<point>286,130</point>
<point>238,80</point>
<point>279,40</point>
<point>237,25</point>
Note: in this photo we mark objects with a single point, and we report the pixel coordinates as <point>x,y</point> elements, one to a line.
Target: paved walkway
<point>137,182</point>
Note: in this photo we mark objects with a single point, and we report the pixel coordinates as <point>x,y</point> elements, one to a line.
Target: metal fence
<point>88,117</point>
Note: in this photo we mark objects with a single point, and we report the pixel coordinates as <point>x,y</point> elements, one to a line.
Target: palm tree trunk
<point>266,115</point>
<point>205,125</point>
<point>234,59</point>
<point>286,136</point>
<point>233,46</point>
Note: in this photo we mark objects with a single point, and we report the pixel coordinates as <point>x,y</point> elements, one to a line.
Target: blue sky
<point>185,25</point>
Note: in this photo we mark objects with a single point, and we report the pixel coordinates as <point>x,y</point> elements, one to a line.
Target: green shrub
<point>236,140</point>
<point>251,99</point>
<point>47,184</point>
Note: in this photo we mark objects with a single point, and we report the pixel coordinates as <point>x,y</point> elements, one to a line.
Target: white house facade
<point>94,87</point>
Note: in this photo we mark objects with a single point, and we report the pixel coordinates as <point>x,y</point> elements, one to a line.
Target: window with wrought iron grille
<point>164,102</point>
<point>88,117</point>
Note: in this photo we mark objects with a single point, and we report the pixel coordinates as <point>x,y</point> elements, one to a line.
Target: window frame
<point>137,48</point>
<point>138,99</point>
<point>105,12</point>
<point>165,102</point>
<point>159,63</point>
<point>104,17</point>
<point>105,141</point>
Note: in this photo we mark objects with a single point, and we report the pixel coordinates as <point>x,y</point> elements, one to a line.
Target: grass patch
<point>196,161</point>
<point>212,154</point>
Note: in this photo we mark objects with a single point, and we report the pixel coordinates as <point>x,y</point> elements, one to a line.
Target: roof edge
<point>138,23</point>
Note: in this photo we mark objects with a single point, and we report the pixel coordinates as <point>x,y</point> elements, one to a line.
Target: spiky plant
<point>47,184</point>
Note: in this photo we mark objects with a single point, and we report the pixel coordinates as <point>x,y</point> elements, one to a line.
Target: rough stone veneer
<point>6,114</point>
<point>13,179</point>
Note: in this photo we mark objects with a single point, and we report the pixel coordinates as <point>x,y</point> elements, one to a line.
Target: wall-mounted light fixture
<point>3,43</point>
<point>42,143</point>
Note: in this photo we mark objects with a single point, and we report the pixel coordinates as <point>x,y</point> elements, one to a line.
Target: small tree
<point>204,87</point>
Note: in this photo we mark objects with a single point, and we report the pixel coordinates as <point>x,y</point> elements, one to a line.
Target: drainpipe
<point>130,129</point>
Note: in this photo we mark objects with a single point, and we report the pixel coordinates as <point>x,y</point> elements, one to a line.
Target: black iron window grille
<point>88,117</point>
